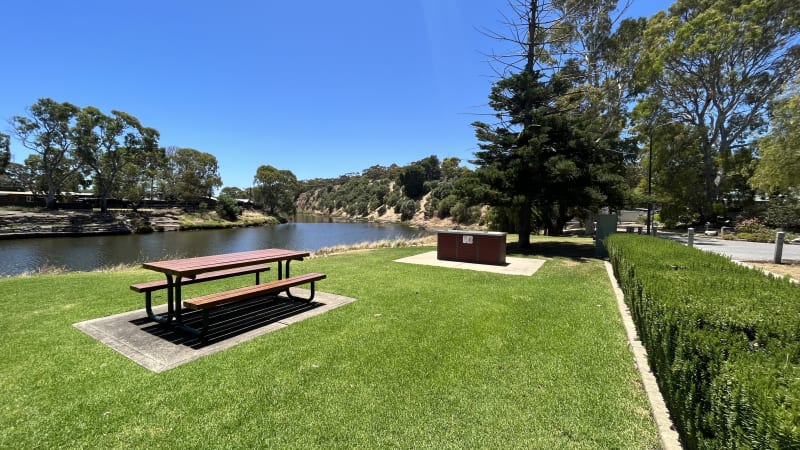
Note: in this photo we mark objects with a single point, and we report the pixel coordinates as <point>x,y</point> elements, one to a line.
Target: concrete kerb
<point>666,429</point>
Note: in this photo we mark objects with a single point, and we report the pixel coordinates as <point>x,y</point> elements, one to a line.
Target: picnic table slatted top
<point>201,264</point>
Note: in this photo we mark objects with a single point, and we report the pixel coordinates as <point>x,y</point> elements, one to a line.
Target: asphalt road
<point>739,250</point>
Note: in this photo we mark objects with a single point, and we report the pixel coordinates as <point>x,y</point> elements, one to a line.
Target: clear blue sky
<point>320,88</point>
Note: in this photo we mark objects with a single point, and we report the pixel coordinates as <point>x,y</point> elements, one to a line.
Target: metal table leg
<point>177,299</point>
<point>148,304</point>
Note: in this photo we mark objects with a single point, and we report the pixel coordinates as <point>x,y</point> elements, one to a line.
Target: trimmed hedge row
<point>723,341</point>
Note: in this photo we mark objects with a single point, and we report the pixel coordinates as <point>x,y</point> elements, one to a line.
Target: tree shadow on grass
<point>573,250</point>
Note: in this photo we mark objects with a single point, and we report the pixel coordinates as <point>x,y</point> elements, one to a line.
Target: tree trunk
<point>106,188</point>
<point>525,224</point>
<point>555,226</point>
<point>709,175</point>
<point>50,199</point>
<point>530,59</point>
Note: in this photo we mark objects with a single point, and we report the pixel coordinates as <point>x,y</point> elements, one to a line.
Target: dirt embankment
<point>31,223</point>
<point>28,223</point>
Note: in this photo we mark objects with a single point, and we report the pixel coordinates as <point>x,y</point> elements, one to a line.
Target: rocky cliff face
<point>16,224</point>
<point>310,202</point>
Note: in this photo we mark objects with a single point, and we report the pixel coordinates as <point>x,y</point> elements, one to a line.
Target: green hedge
<point>722,339</point>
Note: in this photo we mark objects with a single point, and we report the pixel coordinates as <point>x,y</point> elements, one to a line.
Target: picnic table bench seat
<point>248,292</point>
<point>151,286</point>
<point>206,303</point>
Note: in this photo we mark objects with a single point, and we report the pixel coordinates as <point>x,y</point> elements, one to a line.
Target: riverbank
<point>31,223</point>
<point>16,223</point>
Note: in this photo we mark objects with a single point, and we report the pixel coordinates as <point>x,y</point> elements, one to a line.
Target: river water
<point>92,252</point>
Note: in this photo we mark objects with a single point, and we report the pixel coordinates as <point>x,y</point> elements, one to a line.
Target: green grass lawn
<point>426,358</point>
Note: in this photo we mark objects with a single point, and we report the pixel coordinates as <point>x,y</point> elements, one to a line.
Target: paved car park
<point>739,250</point>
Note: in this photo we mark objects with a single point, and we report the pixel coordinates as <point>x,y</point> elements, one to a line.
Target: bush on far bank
<point>227,208</point>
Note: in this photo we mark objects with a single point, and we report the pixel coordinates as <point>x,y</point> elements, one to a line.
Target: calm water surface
<point>91,252</point>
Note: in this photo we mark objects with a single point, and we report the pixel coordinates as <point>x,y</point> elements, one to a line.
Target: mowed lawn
<point>425,358</point>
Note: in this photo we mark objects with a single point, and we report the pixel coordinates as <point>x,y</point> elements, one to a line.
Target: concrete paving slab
<point>513,266</point>
<point>160,348</point>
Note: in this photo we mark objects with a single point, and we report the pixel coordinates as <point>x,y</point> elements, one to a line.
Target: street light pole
<point>650,185</point>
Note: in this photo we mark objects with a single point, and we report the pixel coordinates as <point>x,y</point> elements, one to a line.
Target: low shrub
<point>751,226</point>
<point>753,230</point>
<point>722,339</point>
<point>227,208</point>
<point>762,236</point>
<point>406,208</point>
<point>784,215</point>
<point>143,228</point>
<point>139,224</point>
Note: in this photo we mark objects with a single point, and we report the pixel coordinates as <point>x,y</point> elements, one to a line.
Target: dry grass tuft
<point>118,267</point>
<point>385,243</point>
<point>45,270</point>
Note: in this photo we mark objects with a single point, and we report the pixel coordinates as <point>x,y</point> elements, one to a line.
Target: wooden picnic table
<point>177,271</point>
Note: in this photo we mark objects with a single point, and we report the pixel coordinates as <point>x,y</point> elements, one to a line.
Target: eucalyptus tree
<point>416,178</point>
<point>190,175</point>
<point>275,189</point>
<point>108,145</point>
<point>47,131</point>
<point>20,177</point>
<point>452,168</point>
<point>778,169</point>
<point>556,147</point>
<point>675,167</point>
<point>140,180</point>
<point>233,192</point>
<point>714,66</point>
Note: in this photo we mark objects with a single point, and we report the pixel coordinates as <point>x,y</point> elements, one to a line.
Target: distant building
<point>68,200</point>
<point>20,198</point>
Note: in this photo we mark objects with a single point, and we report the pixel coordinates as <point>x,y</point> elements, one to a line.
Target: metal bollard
<point>779,247</point>
<point>690,242</point>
